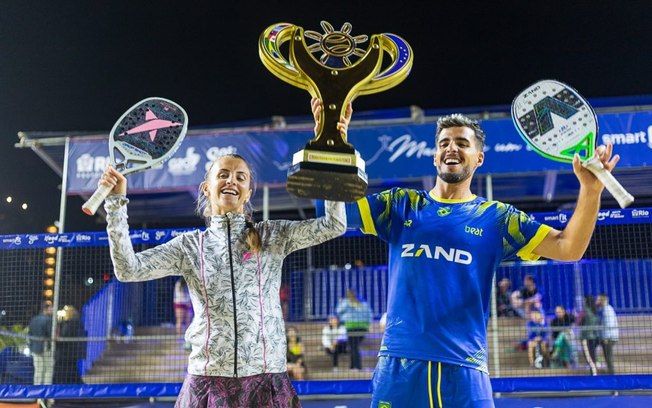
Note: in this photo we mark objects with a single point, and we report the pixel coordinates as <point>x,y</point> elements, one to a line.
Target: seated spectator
<point>333,338</point>
<point>527,298</point>
<point>589,323</point>
<point>537,339</point>
<point>503,299</point>
<point>562,321</point>
<point>562,350</point>
<point>295,359</point>
<point>356,315</point>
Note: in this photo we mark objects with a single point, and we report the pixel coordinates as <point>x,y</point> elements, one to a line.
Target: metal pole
<point>494,310</point>
<point>59,262</point>
<point>265,202</point>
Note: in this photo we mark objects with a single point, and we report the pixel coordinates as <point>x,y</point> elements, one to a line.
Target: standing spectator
<point>295,359</point>
<point>183,312</point>
<point>40,332</point>
<point>284,296</point>
<point>68,353</point>
<point>527,298</point>
<point>610,331</point>
<point>589,333</point>
<point>562,321</point>
<point>503,299</point>
<point>537,339</point>
<point>356,315</point>
<point>333,338</point>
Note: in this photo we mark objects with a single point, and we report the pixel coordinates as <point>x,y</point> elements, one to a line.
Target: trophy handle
<point>269,45</point>
<point>335,95</point>
<point>402,57</point>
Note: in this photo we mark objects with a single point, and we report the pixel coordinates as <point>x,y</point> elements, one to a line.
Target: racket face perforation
<point>147,134</point>
<point>555,121</point>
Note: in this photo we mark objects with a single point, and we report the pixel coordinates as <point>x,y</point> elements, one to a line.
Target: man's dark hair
<point>459,120</point>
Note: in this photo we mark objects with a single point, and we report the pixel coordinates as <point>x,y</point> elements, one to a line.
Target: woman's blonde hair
<point>203,208</point>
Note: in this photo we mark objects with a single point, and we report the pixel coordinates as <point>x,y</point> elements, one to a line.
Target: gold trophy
<point>329,167</point>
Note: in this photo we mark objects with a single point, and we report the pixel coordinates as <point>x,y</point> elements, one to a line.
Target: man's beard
<point>454,178</point>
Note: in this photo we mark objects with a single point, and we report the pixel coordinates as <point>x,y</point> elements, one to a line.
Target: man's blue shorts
<point>405,383</point>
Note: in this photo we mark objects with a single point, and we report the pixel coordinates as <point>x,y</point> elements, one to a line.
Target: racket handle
<point>611,184</point>
<point>96,199</point>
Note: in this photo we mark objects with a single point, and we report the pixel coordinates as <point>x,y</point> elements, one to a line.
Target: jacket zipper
<point>235,314</point>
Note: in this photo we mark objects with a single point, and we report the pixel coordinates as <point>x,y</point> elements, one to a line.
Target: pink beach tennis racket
<point>145,136</point>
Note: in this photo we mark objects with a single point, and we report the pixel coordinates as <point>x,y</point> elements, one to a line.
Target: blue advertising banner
<point>86,239</point>
<point>390,152</point>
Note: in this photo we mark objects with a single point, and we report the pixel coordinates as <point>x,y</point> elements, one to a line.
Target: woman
<point>589,323</point>
<point>295,357</point>
<point>233,272</point>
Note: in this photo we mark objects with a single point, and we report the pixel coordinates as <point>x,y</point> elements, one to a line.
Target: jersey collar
<point>432,195</point>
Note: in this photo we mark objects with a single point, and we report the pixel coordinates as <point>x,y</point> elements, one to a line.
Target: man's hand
<point>584,175</point>
<point>343,125</point>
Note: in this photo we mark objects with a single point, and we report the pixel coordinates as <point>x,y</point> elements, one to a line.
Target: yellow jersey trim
<point>526,252</point>
<point>365,213</point>
<point>451,200</point>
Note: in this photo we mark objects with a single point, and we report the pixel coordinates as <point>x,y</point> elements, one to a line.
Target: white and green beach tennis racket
<point>557,122</point>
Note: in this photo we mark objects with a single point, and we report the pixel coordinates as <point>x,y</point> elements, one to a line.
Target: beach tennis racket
<point>557,122</point>
<point>144,136</point>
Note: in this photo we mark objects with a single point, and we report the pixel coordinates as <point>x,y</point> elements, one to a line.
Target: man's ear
<point>480,159</point>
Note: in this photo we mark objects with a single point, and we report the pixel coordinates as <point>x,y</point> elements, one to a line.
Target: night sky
<point>77,66</point>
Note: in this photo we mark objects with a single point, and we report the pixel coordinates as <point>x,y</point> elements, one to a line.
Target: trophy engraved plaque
<point>329,167</point>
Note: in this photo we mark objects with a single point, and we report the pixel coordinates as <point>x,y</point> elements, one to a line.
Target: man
<point>444,247</point>
<point>527,298</point>
<point>610,332</point>
<point>40,330</point>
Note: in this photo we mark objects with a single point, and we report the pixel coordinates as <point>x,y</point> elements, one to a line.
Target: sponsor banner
<point>81,239</point>
<point>84,239</point>
<point>390,152</point>
<point>605,217</point>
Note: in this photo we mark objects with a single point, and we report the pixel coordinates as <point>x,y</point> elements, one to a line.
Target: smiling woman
<point>233,271</point>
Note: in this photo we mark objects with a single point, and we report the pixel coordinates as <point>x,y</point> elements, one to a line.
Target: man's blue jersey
<point>442,258</point>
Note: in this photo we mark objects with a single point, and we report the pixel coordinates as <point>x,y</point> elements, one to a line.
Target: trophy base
<point>327,181</point>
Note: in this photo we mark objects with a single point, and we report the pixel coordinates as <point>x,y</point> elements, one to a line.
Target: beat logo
<point>473,230</point>
<point>436,252</point>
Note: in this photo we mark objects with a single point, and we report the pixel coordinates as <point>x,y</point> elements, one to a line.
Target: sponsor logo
<point>182,166</point>
<point>384,404</point>
<point>507,147</point>
<point>603,214</point>
<point>12,240</point>
<point>561,218</point>
<point>83,238</point>
<point>640,214</point>
<point>473,230</point>
<point>32,238</point>
<point>91,166</point>
<point>444,211</point>
<point>65,239</point>
<point>408,223</point>
<point>627,138</point>
<point>436,252</point>
<point>616,214</point>
<point>176,233</point>
<point>214,152</point>
<point>51,239</point>
<point>144,236</point>
<point>159,235</point>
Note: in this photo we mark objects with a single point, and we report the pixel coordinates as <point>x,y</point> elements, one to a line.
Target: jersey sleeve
<point>373,214</point>
<point>522,234</point>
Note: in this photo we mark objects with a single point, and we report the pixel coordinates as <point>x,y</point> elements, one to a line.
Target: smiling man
<point>444,247</point>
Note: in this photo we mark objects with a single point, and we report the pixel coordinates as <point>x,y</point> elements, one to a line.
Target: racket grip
<point>611,184</point>
<point>96,199</point>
